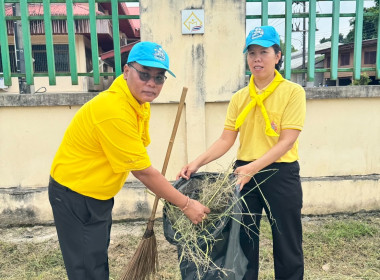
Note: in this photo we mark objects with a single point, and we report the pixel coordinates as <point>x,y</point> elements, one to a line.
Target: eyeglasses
<point>144,76</point>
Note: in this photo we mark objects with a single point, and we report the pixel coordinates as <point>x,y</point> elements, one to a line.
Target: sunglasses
<point>144,76</point>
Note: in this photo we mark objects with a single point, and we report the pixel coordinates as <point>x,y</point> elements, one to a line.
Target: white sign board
<point>193,21</point>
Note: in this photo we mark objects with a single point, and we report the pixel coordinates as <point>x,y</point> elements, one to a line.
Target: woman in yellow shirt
<point>268,115</point>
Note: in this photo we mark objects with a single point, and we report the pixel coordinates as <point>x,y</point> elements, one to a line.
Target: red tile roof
<point>37,9</point>
<point>132,11</point>
<point>131,27</point>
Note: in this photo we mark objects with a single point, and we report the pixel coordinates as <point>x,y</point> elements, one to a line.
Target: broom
<point>144,262</point>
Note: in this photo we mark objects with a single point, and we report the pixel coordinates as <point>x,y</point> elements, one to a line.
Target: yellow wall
<point>341,137</point>
<point>339,151</point>
<point>29,139</point>
<point>210,65</point>
<point>339,145</point>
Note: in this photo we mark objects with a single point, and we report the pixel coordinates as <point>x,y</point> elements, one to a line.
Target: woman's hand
<point>187,170</point>
<point>244,174</point>
<point>216,150</point>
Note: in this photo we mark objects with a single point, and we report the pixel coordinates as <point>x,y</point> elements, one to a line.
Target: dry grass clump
<point>218,192</point>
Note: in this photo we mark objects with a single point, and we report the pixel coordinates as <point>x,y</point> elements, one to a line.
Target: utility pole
<point>303,30</point>
<point>24,88</point>
<point>304,46</point>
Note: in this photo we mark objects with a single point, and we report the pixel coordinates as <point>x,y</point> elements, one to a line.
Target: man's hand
<point>196,212</point>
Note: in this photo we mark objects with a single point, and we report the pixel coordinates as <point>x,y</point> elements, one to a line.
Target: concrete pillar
<point>211,65</point>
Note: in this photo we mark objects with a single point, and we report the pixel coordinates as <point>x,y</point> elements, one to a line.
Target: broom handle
<point>170,146</point>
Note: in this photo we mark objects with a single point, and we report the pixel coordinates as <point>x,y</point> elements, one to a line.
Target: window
<point>61,57</point>
<point>344,59</point>
<point>370,57</point>
<point>12,58</point>
<point>88,60</point>
<point>328,60</point>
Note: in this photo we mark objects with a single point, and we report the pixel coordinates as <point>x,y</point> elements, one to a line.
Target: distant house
<point>129,32</point>
<point>298,58</point>
<point>345,60</point>
<point>132,32</point>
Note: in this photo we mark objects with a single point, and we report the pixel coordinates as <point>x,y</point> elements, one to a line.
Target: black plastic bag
<point>228,260</point>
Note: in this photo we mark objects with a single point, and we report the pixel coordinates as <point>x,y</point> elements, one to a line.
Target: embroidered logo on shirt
<point>274,126</point>
<point>159,53</point>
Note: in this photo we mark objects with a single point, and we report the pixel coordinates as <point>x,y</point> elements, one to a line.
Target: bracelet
<point>187,204</point>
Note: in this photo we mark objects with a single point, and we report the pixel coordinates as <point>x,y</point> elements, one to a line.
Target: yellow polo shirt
<point>106,139</point>
<point>286,108</point>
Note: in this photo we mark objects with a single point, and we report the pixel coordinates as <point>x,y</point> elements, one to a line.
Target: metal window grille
<point>370,57</point>
<point>61,55</point>
<point>12,56</point>
<point>344,59</point>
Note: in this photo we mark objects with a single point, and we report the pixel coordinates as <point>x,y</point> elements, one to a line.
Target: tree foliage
<point>324,40</point>
<point>282,45</point>
<point>370,26</point>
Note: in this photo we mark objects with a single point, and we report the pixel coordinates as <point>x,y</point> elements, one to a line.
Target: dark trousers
<point>281,198</point>
<point>83,227</point>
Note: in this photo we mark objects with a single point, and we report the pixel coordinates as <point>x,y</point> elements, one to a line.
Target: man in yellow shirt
<point>106,140</point>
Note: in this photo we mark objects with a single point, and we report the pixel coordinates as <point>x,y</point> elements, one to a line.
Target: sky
<point>324,25</point>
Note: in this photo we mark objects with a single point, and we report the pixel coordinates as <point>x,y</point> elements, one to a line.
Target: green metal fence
<point>312,16</point>
<point>264,16</point>
<point>47,19</point>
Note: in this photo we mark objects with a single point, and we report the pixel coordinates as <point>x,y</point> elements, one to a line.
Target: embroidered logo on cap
<point>257,33</point>
<point>159,53</point>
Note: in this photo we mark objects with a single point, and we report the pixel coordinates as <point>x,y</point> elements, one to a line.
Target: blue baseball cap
<point>265,36</point>
<point>150,54</point>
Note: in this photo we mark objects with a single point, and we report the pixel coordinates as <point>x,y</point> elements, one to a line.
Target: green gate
<point>265,14</point>
<point>47,19</point>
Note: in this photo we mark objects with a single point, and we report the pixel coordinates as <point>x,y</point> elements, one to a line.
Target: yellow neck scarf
<point>142,110</point>
<point>258,99</point>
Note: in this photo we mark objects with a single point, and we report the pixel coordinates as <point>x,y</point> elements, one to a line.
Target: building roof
<point>57,9</point>
<point>297,57</point>
<point>349,46</point>
<point>109,57</point>
<point>131,27</point>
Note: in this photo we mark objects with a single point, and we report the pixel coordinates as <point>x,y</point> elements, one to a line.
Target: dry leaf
<point>326,267</point>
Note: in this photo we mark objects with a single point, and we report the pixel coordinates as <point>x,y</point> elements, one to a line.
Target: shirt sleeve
<point>122,145</point>
<point>295,111</point>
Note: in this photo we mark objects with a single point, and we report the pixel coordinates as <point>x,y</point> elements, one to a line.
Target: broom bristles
<point>144,262</point>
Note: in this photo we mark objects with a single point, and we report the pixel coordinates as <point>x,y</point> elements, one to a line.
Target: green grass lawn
<point>335,247</point>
